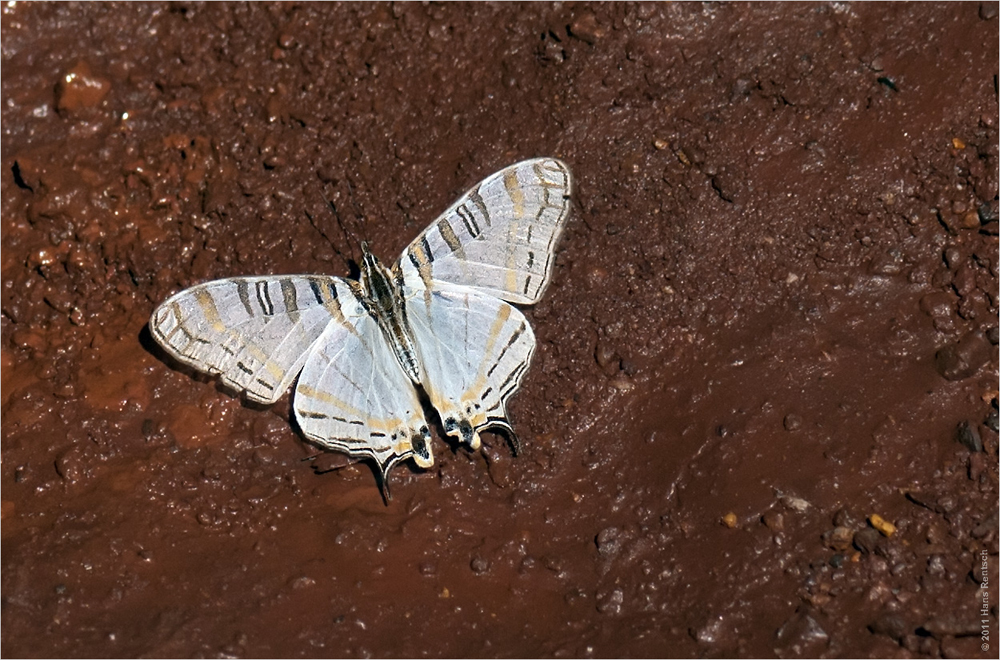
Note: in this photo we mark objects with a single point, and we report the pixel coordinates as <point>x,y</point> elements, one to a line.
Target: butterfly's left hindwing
<point>353,395</point>
<point>254,332</point>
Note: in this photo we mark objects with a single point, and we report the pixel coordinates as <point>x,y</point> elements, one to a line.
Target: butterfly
<point>439,322</point>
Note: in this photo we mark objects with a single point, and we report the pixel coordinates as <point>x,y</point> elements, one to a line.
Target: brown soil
<point>773,316</point>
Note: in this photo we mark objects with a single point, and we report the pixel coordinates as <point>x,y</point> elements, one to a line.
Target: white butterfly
<point>439,320</point>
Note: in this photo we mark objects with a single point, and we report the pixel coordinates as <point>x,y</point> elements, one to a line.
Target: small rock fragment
<point>951,624</point>
<point>729,520</point>
<point>479,565</point>
<point>608,541</point>
<point>881,524</point>
<point>712,632</point>
<point>988,212</point>
<point>792,422</point>
<point>606,356</point>
<point>586,28</point>
<point>891,625</point>
<point>843,518</point>
<point>795,503</point>
<point>80,88</point>
<point>992,422</point>
<point>868,540</point>
<point>802,635</point>
<point>302,582</point>
<point>70,465</point>
<point>964,358</point>
<point>969,220</point>
<point>984,530</point>
<point>968,435</point>
<point>839,538</point>
<point>774,521</point>
<point>610,603</point>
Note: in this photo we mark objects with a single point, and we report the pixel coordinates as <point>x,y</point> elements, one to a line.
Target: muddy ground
<point>762,416</point>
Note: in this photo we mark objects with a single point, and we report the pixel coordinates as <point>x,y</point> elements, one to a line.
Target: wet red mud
<point>773,316</point>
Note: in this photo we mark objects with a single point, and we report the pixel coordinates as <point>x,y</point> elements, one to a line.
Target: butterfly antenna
<point>348,237</point>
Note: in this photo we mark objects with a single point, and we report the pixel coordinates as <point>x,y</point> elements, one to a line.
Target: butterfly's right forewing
<point>498,238</point>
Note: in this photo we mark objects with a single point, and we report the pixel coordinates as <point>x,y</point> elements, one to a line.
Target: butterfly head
<point>375,278</point>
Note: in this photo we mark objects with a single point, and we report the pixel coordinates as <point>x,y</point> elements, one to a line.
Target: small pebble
<point>839,538</point>
<point>882,525</point>
<point>774,521</point>
<point>867,540</point>
<point>792,422</point>
<point>302,582</point>
<point>988,212</point>
<point>611,603</point>
<point>80,88</point>
<point>586,28</point>
<point>953,257</point>
<point>606,355</point>
<point>892,625</point>
<point>608,541</point>
<point>978,465</point>
<point>964,358</point>
<point>795,503</point>
<point>992,422</point>
<point>729,520</point>
<point>951,624</point>
<point>970,220</point>
<point>968,435</point>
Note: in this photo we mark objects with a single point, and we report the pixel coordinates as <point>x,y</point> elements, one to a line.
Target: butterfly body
<point>440,319</point>
<point>382,295</point>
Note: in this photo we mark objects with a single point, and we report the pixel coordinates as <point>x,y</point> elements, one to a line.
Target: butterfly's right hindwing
<point>254,332</point>
<point>474,349</point>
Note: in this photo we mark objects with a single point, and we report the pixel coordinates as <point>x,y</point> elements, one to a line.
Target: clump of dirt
<point>762,415</point>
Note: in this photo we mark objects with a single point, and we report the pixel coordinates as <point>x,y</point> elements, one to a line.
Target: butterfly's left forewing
<point>253,332</point>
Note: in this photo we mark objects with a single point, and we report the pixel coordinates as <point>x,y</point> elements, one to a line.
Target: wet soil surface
<point>762,416</point>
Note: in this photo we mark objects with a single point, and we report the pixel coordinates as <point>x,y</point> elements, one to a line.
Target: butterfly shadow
<point>326,460</point>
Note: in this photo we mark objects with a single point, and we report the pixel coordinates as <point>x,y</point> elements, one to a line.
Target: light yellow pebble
<point>882,525</point>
